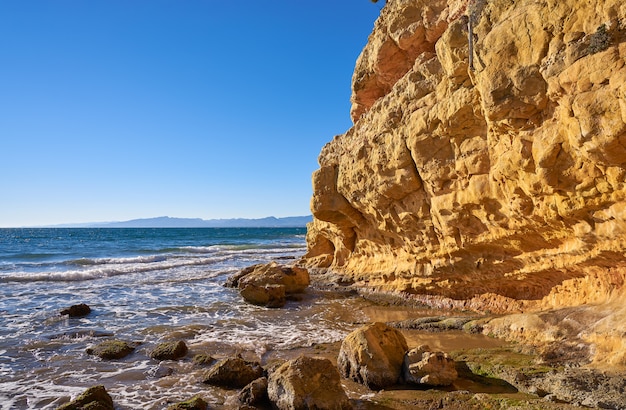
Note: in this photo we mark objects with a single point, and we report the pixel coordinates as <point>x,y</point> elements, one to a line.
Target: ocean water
<point>145,286</point>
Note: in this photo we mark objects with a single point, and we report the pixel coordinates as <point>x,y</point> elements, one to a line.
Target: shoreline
<point>494,372</point>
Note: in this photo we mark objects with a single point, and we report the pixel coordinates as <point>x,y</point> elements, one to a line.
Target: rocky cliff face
<point>499,186</point>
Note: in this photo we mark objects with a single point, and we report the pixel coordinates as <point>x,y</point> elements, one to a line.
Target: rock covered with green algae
<point>233,372</point>
<point>170,350</point>
<point>112,349</point>
<point>94,398</point>
<point>195,403</point>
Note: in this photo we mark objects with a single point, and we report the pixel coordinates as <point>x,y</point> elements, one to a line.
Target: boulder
<point>233,372</point>
<point>112,349</point>
<point>170,351</point>
<point>272,296</point>
<point>259,283</point>
<point>307,383</point>
<point>255,393</point>
<point>423,366</point>
<point>195,403</point>
<point>373,355</point>
<point>80,310</point>
<point>94,398</point>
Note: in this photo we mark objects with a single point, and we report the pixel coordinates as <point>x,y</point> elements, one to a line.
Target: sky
<point>113,110</point>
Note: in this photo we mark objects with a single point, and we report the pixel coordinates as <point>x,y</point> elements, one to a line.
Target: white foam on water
<point>116,268</point>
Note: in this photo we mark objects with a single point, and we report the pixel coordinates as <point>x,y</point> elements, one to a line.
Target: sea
<point>144,285</point>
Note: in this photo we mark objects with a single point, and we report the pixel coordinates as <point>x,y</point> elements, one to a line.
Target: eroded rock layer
<point>498,186</point>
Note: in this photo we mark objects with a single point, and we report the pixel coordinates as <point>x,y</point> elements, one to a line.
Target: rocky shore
<point>400,357</point>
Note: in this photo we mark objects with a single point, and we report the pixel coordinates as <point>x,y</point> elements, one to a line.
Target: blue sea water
<point>144,285</point>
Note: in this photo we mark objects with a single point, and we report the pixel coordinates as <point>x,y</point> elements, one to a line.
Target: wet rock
<point>270,284</point>
<point>203,359</point>
<point>160,371</point>
<point>169,351</point>
<point>255,393</point>
<point>307,383</point>
<point>94,398</point>
<point>233,280</point>
<point>373,355</point>
<point>272,296</point>
<point>112,349</point>
<point>233,372</point>
<point>80,310</point>
<point>588,387</point>
<point>195,403</point>
<point>423,366</point>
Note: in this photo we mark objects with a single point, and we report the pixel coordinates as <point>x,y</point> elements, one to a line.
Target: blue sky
<point>122,109</point>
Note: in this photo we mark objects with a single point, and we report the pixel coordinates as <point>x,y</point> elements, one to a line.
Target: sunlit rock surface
<point>497,188</point>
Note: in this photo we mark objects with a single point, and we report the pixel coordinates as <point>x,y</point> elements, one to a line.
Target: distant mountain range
<point>168,222</point>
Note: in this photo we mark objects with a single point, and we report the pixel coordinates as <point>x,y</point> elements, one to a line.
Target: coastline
<point>496,369</point>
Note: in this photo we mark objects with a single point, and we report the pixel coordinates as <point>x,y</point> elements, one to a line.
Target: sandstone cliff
<point>499,186</point>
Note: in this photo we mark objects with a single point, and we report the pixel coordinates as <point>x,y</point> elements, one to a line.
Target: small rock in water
<point>170,351</point>
<point>80,310</point>
<point>195,403</point>
<point>95,398</point>
<point>233,372</point>
<point>203,359</point>
<point>160,371</point>
<point>112,349</point>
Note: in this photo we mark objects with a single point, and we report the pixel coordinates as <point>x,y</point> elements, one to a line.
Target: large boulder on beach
<point>270,284</point>
<point>373,355</point>
<point>79,310</point>
<point>233,372</point>
<point>169,350</point>
<point>423,366</point>
<point>307,383</point>
<point>112,349</point>
<point>94,398</point>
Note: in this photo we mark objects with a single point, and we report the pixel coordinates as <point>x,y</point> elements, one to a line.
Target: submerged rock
<point>307,383</point>
<point>233,372</point>
<point>195,403</point>
<point>169,351</point>
<point>80,310</point>
<point>94,398</point>
<point>373,355</point>
<point>423,366</point>
<point>203,359</point>
<point>112,349</point>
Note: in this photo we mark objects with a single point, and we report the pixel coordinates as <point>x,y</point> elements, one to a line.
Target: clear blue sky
<point>122,109</point>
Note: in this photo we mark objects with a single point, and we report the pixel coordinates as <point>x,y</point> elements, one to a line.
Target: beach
<point>147,287</point>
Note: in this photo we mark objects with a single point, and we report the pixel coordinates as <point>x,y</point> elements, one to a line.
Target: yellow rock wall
<point>500,187</point>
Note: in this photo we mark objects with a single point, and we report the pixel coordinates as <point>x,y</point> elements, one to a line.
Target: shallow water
<point>149,286</point>
<point>146,286</point>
